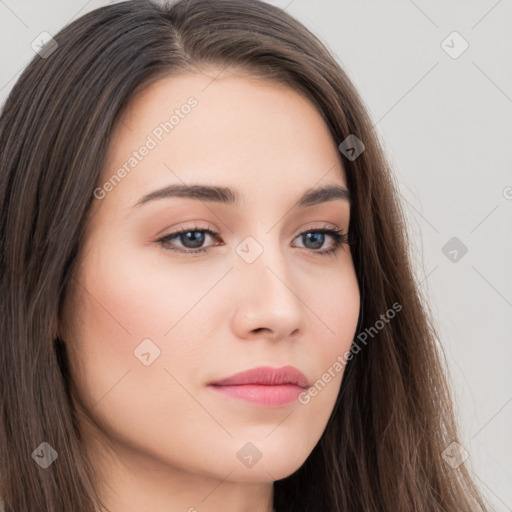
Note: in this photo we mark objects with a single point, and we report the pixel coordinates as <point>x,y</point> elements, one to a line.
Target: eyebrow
<point>230,196</point>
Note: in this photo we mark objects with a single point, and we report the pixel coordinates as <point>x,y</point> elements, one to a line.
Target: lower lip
<point>268,396</point>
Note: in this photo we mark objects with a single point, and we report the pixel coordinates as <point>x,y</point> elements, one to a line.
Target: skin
<point>158,437</point>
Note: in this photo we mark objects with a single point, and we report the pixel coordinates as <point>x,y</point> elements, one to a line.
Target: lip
<point>265,386</point>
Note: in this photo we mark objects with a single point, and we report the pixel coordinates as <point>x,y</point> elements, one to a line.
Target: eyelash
<point>339,237</point>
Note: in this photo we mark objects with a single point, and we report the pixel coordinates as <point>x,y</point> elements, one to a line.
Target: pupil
<point>196,241</point>
<point>319,238</point>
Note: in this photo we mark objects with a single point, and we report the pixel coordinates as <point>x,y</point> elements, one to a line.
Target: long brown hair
<point>382,448</point>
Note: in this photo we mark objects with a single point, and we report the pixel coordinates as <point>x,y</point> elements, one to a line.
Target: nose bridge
<point>261,249</point>
<point>264,268</point>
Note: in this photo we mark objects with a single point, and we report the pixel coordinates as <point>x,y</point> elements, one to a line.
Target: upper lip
<point>265,376</point>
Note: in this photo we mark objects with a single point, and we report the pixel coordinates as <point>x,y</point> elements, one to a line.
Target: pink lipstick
<point>265,386</point>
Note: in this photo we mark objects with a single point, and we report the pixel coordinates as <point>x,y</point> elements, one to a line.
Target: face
<point>254,279</point>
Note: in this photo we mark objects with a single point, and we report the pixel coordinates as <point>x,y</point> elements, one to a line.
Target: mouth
<point>264,386</point>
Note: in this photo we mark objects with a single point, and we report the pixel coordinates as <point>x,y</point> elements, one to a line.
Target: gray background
<point>446,126</point>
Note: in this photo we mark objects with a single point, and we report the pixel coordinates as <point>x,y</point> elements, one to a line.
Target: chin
<point>274,464</point>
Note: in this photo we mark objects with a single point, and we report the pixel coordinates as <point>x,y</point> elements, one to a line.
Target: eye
<point>316,238</point>
<point>193,238</point>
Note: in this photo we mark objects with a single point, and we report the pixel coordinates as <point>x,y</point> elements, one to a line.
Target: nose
<point>268,301</point>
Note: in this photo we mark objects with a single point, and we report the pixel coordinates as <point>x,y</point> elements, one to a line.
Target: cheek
<point>119,304</point>
<point>335,314</point>
<point>336,307</point>
<point>131,296</point>
<point>123,299</point>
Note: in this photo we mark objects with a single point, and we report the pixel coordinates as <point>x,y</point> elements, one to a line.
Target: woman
<point>279,359</point>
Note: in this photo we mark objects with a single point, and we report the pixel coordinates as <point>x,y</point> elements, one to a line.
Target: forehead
<point>238,130</point>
